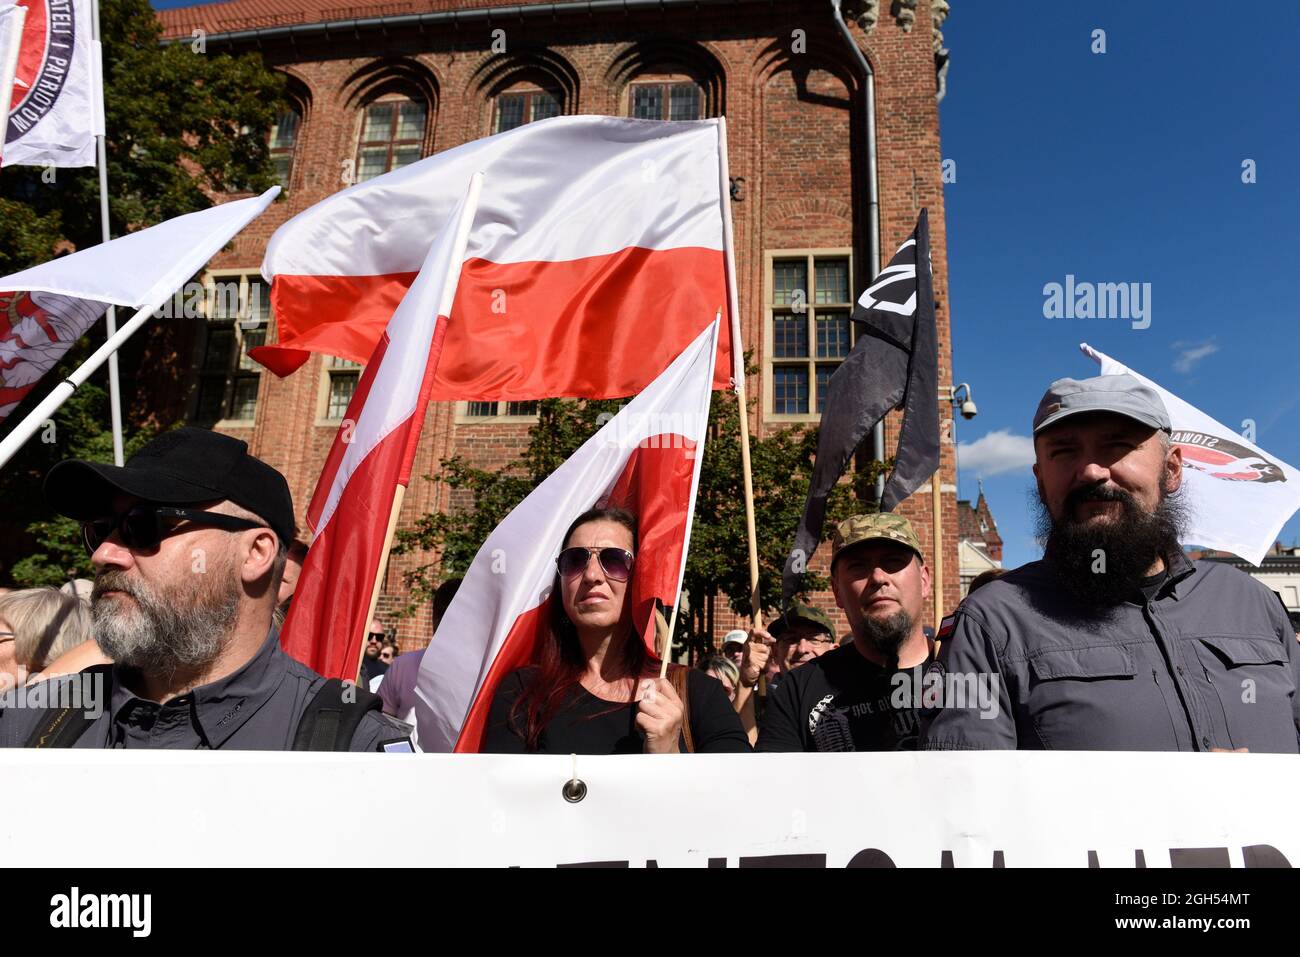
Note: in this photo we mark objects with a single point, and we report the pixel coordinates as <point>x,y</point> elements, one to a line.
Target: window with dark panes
<point>392,136</point>
<point>343,375</point>
<point>484,410</point>
<point>518,107</point>
<point>810,329</point>
<point>667,100</point>
<point>283,140</point>
<point>238,317</point>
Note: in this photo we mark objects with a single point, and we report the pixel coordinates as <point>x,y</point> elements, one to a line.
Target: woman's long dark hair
<point>558,656</point>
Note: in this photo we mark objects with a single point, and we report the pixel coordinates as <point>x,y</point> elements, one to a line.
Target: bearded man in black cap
<point>1115,640</point>
<point>189,541</point>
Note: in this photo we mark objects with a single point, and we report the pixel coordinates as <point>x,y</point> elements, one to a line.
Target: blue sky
<point>1123,166</point>
<point>1120,167</point>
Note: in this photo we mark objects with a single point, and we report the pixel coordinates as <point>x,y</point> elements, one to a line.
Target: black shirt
<point>841,702</point>
<point>1150,585</point>
<point>590,725</point>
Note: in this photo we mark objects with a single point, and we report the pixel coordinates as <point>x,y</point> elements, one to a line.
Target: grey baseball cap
<point>1121,394</point>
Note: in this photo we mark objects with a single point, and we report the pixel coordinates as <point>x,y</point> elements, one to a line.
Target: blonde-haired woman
<point>38,625</point>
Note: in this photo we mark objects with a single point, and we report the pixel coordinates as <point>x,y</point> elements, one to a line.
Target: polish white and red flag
<point>371,456</point>
<point>598,258</point>
<point>645,459</point>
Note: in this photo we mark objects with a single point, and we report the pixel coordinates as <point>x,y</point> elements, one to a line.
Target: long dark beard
<point>1103,563</point>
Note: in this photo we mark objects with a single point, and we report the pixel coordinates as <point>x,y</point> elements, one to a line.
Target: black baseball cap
<point>185,466</point>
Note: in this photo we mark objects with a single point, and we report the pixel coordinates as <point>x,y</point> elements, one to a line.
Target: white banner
<point>57,101</point>
<point>1240,496</point>
<point>242,809</point>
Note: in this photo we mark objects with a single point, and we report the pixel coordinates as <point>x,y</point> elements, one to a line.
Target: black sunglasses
<point>142,525</point>
<point>615,562</point>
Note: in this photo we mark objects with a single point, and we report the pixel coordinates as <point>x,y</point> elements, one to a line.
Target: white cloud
<point>1190,353</point>
<point>996,453</point>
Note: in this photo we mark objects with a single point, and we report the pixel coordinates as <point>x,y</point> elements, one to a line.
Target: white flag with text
<point>1239,495</point>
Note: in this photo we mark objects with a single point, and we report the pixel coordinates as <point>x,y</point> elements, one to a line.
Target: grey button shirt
<point>1211,661</point>
<point>257,708</point>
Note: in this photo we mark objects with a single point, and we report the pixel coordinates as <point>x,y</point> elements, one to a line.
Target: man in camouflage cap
<point>857,697</point>
<point>802,634</point>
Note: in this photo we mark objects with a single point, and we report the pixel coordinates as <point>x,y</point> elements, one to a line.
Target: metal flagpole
<point>110,317</point>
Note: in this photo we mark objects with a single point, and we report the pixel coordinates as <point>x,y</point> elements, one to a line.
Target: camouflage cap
<point>798,611</point>
<point>874,525</point>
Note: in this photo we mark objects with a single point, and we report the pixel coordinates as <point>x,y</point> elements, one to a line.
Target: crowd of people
<point>1113,640</point>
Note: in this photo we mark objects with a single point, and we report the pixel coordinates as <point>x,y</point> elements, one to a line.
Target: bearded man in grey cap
<point>1115,640</point>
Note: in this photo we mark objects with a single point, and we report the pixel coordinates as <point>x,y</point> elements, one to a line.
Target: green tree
<point>717,565</point>
<point>184,128</point>
<point>52,550</point>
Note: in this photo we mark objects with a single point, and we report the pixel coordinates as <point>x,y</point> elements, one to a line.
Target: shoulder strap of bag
<point>62,727</point>
<point>332,717</point>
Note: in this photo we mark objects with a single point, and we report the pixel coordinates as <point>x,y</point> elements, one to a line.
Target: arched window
<point>524,103</point>
<point>392,135</point>
<point>668,96</point>
<point>283,141</point>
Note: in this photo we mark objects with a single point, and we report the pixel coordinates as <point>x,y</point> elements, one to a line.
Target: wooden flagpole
<point>738,360</point>
<point>936,499</point>
<point>444,309</point>
<point>667,650</point>
<point>398,495</point>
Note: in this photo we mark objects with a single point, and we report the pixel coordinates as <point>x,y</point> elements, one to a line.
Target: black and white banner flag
<point>893,363</point>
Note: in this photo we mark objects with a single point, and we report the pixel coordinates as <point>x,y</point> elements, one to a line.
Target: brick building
<point>979,546</point>
<point>377,85</point>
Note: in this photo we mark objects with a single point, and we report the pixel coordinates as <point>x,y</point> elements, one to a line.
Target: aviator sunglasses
<point>615,562</point>
<point>143,526</point>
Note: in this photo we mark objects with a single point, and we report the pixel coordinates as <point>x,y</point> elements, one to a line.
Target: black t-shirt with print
<point>841,702</point>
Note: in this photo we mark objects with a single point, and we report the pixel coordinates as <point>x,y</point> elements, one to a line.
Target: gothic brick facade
<point>782,74</point>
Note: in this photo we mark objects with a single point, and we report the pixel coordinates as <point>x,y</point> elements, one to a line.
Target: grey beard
<point>181,627</point>
<point>887,636</point>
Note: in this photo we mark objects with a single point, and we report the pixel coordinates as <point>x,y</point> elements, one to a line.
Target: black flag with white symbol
<point>895,362</point>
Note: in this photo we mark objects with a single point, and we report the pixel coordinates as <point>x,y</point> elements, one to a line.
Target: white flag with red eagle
<point>646,459</point>
<point>1239,495</point>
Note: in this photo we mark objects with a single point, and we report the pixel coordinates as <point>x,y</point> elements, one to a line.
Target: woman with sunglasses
<point>593,687</point>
